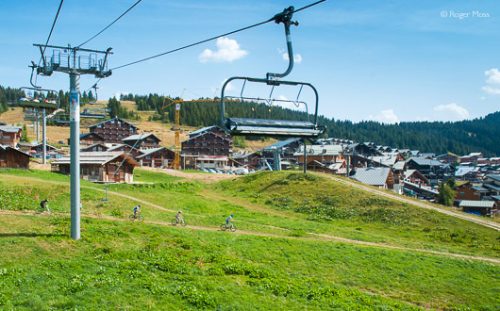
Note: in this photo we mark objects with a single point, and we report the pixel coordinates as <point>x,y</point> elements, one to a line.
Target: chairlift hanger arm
<point>285,17</point>
<point>33,67</point>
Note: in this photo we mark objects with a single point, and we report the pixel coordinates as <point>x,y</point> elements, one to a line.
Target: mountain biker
<point>44,205</point>
<point>178,217</point>
<point>229,219</point>
<point>137,210</point>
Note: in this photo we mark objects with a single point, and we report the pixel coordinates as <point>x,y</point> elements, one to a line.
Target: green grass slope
<point>276,259</point>
<point>358,214</point>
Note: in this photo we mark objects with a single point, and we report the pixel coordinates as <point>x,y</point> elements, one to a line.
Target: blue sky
<point>382,60</point>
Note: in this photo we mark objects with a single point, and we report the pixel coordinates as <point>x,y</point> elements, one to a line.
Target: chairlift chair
<point>39,102</point>
<point>272,127</point>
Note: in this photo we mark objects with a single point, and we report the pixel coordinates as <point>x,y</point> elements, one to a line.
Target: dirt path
<point>310,236</point>
<point>203,177</point>
<point>463,216</point>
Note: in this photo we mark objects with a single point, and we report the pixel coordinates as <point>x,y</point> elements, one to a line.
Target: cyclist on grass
<point>178,218</point>
<point>137,210</point>
<point>44,205</point>
<point>229,220</point>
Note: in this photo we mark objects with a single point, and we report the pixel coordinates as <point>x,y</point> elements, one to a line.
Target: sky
<point>388,61</point>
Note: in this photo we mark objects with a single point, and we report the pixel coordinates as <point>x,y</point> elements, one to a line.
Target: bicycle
<point>176,222</point>
<point>138,217</point>
<point>231,227</point>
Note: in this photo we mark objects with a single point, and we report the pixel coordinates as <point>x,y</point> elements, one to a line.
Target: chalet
<point>483,208</point>
<point>381,177</point>
<point>471,157</point>
<point>89,139</point>
<point>432,169</point>
<point>142,141</point>
<point>13,158</point>
<point>211,162</point>
<point>365,149</point>
<point>417,184</point>
<point>206,143</point>
<point>468,191</point>
<point>466,173</point>
<point>492,183</point>
<point>36,150</point>
<point>155,157</point>
<point>10,135</point>
<point>334,168</point>
<point>100,147</point>
<point>114,130</point>
<point>251,160</point>
<point>326,154</point>
<point>100,166</point>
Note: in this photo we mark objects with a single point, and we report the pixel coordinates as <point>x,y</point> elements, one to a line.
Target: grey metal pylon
<point>68,60</point>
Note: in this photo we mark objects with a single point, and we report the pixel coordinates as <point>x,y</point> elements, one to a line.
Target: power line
<point>213,38</point>
<point>111,24</point>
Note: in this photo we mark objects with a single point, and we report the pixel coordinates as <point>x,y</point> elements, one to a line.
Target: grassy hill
<point>296,247</point>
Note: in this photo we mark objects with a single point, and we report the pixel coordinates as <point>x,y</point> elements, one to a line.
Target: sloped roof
<point>10,129</point>
<point>89,134</point>
<point>375,176</point>
<point>324,150</point>
<point>115,118</point>
<point>492,187</point>
<point>116,146</point>
<point>208,133</point>
<point>100,158</point>
<point>464,170</point>
<point>202,130</point>
<point>400,165</point>
<point>34,144</point>
<point>140,137</point>
<point>387,160</point>
<point>92,146</point>
<point>480,204</point>
<point>146,152</point>
<point>424,161</point>
<point>495,177</point>
<point>6,147</point>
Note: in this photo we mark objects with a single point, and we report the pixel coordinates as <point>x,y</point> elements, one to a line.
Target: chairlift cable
<point>212,38</point>
<point>111,24</point>
<point>50,35</point>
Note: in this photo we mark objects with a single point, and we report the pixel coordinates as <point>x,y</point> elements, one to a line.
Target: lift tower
<point>74,61</point>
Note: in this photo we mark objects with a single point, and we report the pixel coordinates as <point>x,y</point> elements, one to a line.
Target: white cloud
<point>297,58</point>
<point>493,75</point>
<point>228,50</point>
<point>385,116</point>
<point>491,90</point>
<point>451,112</point>
<point>492,86</point>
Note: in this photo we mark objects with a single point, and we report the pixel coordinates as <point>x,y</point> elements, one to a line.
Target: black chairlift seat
<point>42,103</point>
<point>269,127</point>
<point>260,127</point>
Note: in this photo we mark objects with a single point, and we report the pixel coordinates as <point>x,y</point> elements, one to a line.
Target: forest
<point>462,137</point>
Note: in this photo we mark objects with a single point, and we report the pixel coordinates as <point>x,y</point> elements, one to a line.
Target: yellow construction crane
<point>176,164</point>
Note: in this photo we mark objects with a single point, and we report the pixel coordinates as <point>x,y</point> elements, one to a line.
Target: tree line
<point>477,135</point>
